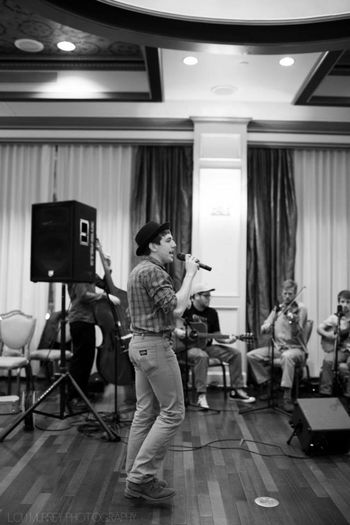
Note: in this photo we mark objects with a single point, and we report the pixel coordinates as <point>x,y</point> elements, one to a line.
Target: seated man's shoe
<point>288,404</point>
<point>202,401</point>
<point>238,394</point>
<point>151,491</point>
<point>265,390</point>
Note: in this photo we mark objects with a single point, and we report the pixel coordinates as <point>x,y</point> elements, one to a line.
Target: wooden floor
<point>220,462</point>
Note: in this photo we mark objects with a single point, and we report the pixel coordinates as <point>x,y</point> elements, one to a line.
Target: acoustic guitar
<point>328,344</point>
<point>197,336</point>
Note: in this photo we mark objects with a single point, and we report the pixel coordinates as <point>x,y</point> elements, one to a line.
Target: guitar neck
<point>214,335</point>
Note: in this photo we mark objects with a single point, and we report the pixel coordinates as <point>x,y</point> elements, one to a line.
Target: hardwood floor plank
<point>233,461</point>
<point>34,491</point>
<point>21,464</point>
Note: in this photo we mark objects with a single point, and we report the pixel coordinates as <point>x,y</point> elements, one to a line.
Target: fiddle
<point>291,310</point>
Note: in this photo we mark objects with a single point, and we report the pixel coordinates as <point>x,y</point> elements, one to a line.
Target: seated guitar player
<point>335,333</point>
<point>200,346</point>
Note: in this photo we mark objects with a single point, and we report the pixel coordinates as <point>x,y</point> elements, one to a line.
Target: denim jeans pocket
<point>146,356</point>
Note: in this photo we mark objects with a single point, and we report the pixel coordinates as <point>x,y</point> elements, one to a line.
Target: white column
<point>220,215</point>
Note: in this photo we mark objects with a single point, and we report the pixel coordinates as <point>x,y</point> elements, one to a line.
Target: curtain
<point>322,182</point>
<point>100,176</point>
<point>162,191</point>
<point>26,177</point>
<point>97,175</point>
<point>271,230</point>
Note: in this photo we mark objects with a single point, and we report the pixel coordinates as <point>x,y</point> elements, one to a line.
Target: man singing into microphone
<point>154,307</point>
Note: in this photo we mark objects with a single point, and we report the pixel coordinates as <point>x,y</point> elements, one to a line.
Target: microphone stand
<point>336,386</point>
<point>271,403</point>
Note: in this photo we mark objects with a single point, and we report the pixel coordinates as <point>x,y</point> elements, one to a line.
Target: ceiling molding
<point>325,66</point>
<point>299,127</point>
<point>83,64</point>
<point>93,52</point>
<point>168,124</point>
<point>153,71</point>
<point>160,31</point>
<point>96,123</point>
<point>107,96</point>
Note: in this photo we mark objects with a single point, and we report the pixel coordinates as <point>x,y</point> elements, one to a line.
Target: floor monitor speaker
<point>322,425</point>
<point>63,242</point>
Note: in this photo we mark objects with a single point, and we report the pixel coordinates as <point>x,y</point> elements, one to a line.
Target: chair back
<point>307,334</point>
<point>16,330</point>
<point>308,330</point>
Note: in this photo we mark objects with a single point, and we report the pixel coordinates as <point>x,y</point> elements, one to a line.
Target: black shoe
<point>152,491</point>
<point>76,405</point>
<point>238,394</point>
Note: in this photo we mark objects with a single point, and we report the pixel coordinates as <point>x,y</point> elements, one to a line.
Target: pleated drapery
<point>271,230</point>
<point>162,191</point>
<point>97,175</point>
<point>322,183</point>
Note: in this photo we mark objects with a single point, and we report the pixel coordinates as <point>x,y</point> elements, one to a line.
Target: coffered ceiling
<point>128,53</point>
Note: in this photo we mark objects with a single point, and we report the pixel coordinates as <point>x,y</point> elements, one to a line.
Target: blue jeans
<point>159,408</point>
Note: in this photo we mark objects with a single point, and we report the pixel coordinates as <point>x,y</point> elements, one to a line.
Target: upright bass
<point>112,361</point>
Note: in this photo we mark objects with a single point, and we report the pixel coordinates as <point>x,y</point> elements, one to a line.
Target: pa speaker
<point>322,426</point>
<point>63,242</point>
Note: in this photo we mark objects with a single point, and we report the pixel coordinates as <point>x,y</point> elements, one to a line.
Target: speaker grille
<point>58,253</point>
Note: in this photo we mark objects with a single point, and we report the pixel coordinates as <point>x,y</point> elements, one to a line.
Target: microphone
<point>339,312</point>
<point>182,257</point>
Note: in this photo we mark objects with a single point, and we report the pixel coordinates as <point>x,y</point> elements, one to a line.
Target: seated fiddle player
<point>285,324</point>
<point>81,318</point>
<point>199,310</point>
<point>335,331</point>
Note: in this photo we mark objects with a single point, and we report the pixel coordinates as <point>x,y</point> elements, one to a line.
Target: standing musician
<point>82,322</point>
<point>335,332</point>
<point>160,409</point>
<point>199,356</point>
<point>286,324</point>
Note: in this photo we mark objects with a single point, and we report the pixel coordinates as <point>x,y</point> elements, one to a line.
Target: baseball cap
<point>201,288</point>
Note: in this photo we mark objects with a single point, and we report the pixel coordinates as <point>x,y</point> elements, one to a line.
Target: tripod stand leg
<point>294,433</point>
<point>30,410</point>
<point>111,435</point>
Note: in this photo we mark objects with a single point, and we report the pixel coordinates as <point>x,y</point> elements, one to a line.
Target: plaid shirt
<point>151,298</point>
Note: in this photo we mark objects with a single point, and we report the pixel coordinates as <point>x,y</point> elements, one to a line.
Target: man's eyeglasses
<point>205,294</point>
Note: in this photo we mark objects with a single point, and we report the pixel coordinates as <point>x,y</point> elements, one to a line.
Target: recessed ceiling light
<point>29,45</point>
<point>66,46</point>
<point>190,61</point>
<point>287,61</point>
<point>223,90</point>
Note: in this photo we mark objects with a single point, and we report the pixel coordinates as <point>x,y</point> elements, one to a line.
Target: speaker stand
<point>61,383</point>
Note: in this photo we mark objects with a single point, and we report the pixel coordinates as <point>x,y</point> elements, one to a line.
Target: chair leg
<point>29,378</point>
<point>19,383</point>
<point>193,385</point>
<point>223,367</point>
<point>9,382</point>
<point>296,382</point>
